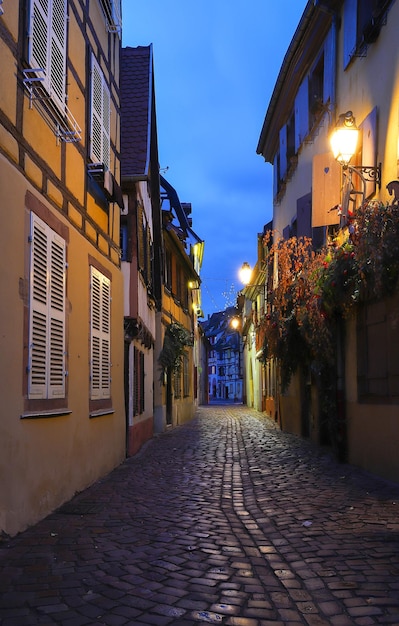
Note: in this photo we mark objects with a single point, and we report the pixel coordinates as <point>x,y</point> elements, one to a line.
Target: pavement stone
<point>224,520</point>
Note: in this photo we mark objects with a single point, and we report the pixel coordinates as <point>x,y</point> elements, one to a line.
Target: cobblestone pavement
<point>225,520</point>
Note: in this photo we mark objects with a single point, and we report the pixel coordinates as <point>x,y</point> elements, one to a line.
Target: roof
<point>136,110</point>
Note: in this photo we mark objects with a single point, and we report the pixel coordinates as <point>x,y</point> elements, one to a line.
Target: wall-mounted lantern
<point>234,323</point>
<point>245,273</point>
<point>344,141</point>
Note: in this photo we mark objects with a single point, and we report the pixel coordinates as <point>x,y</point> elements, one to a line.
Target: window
<point>177,384</point>
<point>47,46</point>
<point>138,400</point>
<point>100,116</point>
<point>378,356</point>
<point>186,377</point>
<point>123,243</point>
<point>316,91</point>
<point>363,20</point>
<point>113,14</point>
<point>145,250</point>
<point>100,335</point>
<point>46,358</point>
<point>168,270</point>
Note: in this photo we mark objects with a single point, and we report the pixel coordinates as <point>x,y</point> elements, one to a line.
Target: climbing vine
<point>175,340</point>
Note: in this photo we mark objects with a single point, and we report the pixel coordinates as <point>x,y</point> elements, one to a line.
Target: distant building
<point>141,240</point>
<point>177,350</point>
<point>224,359</point>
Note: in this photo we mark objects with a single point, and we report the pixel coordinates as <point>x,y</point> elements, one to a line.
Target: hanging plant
<point>176,339</point>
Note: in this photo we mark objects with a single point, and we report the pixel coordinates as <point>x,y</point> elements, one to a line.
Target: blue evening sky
<point>215,66</point>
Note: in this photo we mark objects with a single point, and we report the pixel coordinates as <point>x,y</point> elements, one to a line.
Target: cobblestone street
<point>225,520</point>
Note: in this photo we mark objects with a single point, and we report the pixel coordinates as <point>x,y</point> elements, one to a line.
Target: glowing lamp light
<point>245,273</point>
<point>344,138</point>
<point>235,322</point>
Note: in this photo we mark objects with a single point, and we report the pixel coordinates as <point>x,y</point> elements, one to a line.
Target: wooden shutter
<point>329,67</point>
<point>326,190</point>
<point>57,51</point>
<point>283,152</point>
<point>276,176</point>
<point>369,147</point>
<point>96,113</point>
<point>350,30</point>
<point>100,358</point>
<point>100,117</point>
<point>39,35</point>
<point>301,114</point>
<point>47,313</point>
<point>57,318</point>
<point>106,144</point>
<point>47,46</point>
<point>303,213</point>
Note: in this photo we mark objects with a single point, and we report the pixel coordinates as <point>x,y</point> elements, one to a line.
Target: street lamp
<point>245,273</point>
<point>344,140</point>
<point>235,322</point>
<point>238,391</point>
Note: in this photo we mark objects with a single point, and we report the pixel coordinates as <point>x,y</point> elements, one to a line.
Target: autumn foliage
<point>310,291</point>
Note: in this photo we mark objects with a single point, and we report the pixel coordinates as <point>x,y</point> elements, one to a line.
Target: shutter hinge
<point>30,238</point>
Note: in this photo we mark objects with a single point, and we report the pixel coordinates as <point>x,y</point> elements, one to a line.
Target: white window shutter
<point>117,13</point>
<point>38,307</point>
<point>106,143</point>
<point>46,368</point>
<point>56,383</point>
<point>47,46</point>
<point>57,50</point>
<point>100,117</point>
<point>96,113</point>
<point>39,35</point>
<point>100,358</point>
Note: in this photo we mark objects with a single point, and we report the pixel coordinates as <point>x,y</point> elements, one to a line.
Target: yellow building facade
<point>62,423</point>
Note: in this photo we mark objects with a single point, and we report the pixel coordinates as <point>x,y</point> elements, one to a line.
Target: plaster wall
<point>48,459</point>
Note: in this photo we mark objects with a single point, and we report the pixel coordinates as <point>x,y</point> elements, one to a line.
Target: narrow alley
<point>225,520</point>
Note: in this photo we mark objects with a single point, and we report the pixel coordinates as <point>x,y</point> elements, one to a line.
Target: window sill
<point>101,413</point>
<point>45,414</point>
